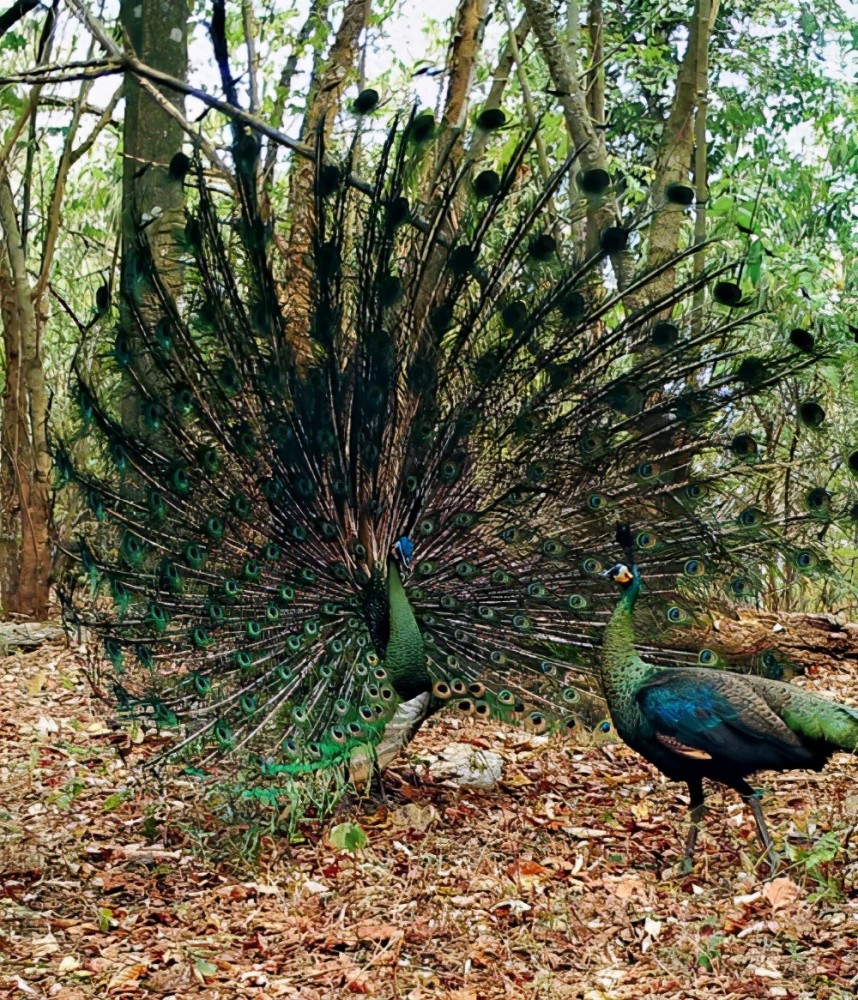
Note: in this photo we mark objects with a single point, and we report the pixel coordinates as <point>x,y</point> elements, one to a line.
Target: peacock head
<point>622,575</point>
<point>404,552</point>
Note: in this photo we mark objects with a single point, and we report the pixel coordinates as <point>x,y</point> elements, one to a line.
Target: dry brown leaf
<point>130,974</point>
<point>414,817</point>
<point>371,930</point>
<point>781,893</point>
<point>628,886</point>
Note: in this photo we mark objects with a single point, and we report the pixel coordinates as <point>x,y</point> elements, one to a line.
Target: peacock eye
<point>694,567</point>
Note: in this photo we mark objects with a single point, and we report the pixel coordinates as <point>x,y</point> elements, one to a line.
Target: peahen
<point>701,723</point>
<point>312,520</point>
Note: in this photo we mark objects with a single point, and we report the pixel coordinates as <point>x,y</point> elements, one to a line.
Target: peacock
<point>313,520</point>
<point>701,723</point>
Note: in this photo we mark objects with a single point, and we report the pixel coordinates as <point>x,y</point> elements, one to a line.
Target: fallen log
<point>806,642</point>
<point>26,635</point>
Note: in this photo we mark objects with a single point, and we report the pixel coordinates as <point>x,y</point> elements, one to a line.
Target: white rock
<point>469,766</point>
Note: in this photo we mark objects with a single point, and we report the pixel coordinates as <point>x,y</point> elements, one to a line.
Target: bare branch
<point>500,78</point>
<point>251,29</point>
<point>13,14</point>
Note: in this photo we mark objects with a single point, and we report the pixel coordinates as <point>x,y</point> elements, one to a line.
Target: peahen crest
<point>303,514</point>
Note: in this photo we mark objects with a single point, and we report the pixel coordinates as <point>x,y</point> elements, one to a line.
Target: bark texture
<point>158,33</point>
<point>676,150</point>
<point>572,98</point>
<point>322,105</point>
<point>25,436</point>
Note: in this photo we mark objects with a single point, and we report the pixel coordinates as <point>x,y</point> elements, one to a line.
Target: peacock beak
<point>404,549</point>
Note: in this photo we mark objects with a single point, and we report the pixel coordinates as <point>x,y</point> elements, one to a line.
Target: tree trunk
<point>27,399</point>
<point>322,106</point>
<point>13,429</point>
<point>158,31</point>
<point>676,149</point>
<point>573,102</point>
<point>462,61</point>
<point>500,78</point>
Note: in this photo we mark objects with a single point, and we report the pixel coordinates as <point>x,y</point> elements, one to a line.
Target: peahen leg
<point>697,808</point>
<point>753,800</point>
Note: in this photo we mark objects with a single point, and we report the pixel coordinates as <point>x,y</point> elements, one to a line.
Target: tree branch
<point>13,14</point>
<point>578,123</point>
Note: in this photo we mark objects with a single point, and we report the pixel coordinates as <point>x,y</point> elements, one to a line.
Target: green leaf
<point>115,801</point>
<point>755,261</point>
<point>347,837</point>
<point>721,206</point>
<point>205,968</point>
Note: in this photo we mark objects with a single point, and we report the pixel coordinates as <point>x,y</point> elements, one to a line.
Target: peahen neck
<point>619,656</point>
<point>405,656</point>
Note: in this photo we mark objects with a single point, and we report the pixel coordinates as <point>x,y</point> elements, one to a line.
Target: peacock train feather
<point>400,489</point>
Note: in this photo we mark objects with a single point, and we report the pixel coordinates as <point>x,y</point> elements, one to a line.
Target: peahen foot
<point>698,811</point>
<point>771,854</point>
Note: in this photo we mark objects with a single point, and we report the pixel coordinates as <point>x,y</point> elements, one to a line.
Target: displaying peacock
<point>307,516</point>
<point>702,723</point>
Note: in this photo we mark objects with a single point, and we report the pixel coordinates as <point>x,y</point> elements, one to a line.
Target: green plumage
<point>455,373</point>
<point>699,723</point>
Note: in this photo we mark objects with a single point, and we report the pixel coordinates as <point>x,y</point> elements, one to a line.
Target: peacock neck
<point>405,656</point>
<point>618,648</point>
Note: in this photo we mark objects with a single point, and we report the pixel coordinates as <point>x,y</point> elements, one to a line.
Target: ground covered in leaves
<point>556,883</point>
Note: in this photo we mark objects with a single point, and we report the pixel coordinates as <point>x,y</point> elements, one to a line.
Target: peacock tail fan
<point>303,514</point>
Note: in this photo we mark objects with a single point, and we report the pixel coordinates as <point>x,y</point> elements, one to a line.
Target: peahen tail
<point>301,515</point>
<point>825,724</point>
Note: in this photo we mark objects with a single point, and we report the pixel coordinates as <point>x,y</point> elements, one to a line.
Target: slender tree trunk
<point>462,61</point>
<point>676,149</point>
<point>576,114</point>
<point>500,78</point>
<point>13,430</point>
<point>596,76</point>
<point>322,106</point>
<point>158,32</point>
<point>462,55</point>
<point>28,401</point>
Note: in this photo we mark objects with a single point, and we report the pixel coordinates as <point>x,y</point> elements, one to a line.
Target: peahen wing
<point>721,715</point>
